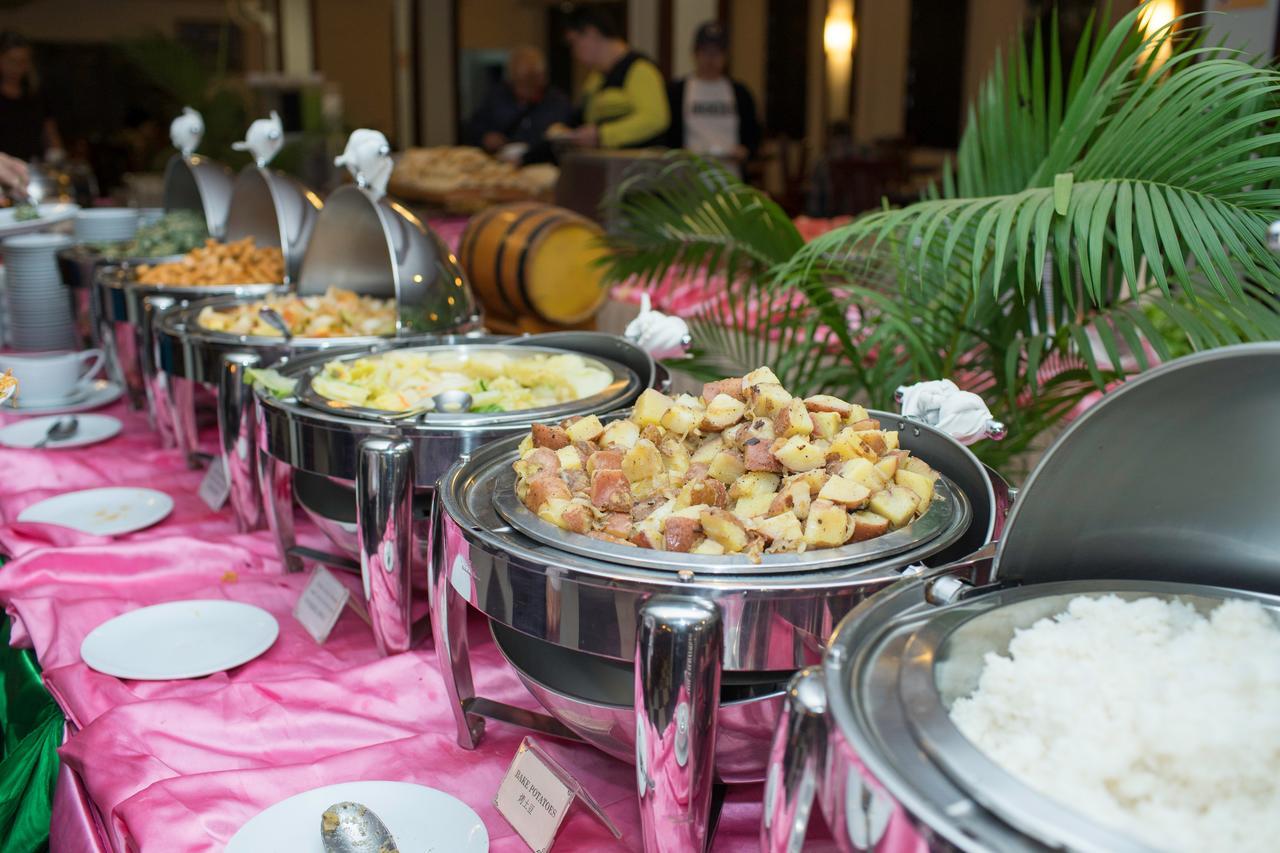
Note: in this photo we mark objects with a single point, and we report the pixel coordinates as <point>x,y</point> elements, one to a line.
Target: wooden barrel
<point>532,260</point>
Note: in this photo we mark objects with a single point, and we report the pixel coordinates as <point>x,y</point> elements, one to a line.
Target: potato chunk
<point>621,434</point>
<point>767,399</point>
<point>724,528</point>
<point>587,429</point>
<point>827,403</point>
<point>845,493</point>
<point>642,462</point>
<point>727,466</point>
<point>681,420</point>
<point>754,483</point>
<point>896,503</point>
<point>867,525</point>
<point>798,454</point>
<point>826,526</point>
<point>785,527</point>
<point>865,473</point>
<point>723,412</point>
<point>918,483</point>
<point>761,376</point>
<point>825,424</point>
<point>650,407</point>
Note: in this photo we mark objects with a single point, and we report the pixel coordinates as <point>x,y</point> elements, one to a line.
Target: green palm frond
<point>1099,215</point>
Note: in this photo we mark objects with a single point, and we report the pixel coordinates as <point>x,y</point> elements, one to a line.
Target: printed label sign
<point>533,799</point>
<point>215,488</point>
<point>321,604</point>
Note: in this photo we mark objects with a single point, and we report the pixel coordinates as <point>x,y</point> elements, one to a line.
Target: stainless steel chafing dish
<point>194,182</point>
<point>674,662</point>
<point>369,481</point>
<point>379,253</point>
<point>1107,510</point>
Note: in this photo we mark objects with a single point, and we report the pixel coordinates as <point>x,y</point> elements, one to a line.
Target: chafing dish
<point>679,633</point>
<point>194,182</point>
<point>379,465</point>
<point>1107,510</point>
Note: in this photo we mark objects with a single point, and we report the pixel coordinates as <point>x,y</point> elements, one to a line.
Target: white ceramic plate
<point>27,433</point>
<point>102,393</point>
<point>50,214</point>
<point>421,820</point>
<point>179,639</point>
<point>111,511</point>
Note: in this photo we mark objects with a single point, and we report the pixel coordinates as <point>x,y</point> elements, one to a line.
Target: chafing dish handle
<point>155,383</point>
<point>237,438</point>
<point>679,647</point>
<point>797,758</point>
<point>384,529</point>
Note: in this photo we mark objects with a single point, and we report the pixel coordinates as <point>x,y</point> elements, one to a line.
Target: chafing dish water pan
<point>1107,510</point>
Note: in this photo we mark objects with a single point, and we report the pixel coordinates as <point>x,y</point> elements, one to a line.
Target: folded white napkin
<point>660,335</point>
<point>960,414</point>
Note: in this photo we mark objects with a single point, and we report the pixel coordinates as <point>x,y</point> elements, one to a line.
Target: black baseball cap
<point>710,34</point>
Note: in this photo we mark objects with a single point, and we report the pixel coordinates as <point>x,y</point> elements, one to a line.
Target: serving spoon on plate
<point>353,828</point>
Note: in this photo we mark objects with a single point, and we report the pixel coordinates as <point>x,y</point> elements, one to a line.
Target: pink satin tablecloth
<point>178,767</point>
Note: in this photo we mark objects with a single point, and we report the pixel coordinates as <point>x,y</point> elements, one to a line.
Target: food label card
<point>215,488</point>
<point>536,794</point>
<point>321,604</point>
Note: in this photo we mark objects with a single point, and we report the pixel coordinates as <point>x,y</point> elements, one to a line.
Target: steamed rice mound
<point>1143,715</point>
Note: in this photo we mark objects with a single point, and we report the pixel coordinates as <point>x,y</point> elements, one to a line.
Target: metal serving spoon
<point>354,828</point>
<point>275,321</point>
<point>60,430</point>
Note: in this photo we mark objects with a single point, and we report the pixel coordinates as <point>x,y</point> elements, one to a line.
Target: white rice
<point>1145,716</point>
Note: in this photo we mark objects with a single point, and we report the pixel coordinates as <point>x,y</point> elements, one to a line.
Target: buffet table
<point>181,765</point>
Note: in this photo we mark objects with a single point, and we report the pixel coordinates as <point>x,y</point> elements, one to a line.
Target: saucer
<point>26,434</point>
<point>102,392</point>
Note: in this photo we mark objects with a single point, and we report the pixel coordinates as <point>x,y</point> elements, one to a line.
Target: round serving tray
<point>948,514</point>
<point>625,383</point>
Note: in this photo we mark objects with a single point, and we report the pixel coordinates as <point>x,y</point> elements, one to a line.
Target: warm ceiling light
<point>837,35</point>
<point>1158,14</point>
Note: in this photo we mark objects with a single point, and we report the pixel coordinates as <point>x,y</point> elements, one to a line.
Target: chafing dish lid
<point>275,210</point>
<point>1167,478</point>
<point>200,184</point>
<point>377,247</point>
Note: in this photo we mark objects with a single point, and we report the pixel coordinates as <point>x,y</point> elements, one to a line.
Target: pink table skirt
<point>180,766</point>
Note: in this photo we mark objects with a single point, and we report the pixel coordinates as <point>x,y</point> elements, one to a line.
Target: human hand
<point>492,141</point>
<point>587,136</point>
<point>13,173</point>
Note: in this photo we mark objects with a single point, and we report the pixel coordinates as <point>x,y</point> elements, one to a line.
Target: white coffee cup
<point>54,377</point>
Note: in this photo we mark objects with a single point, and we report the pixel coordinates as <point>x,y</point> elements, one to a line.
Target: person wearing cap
<point>624,101</point>
<point>520,108</point>
<point>711,114</point>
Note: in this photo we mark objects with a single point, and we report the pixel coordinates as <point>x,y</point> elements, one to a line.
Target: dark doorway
<point>786,69</point>
<point>935,72</point>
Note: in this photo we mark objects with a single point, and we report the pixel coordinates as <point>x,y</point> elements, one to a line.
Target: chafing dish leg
<point>796,761</point>
<point>159,397</point>
<point>156,384</point>
<point>125,344</point>
<point>238,436</point>
<point>186,431</point>
<point>453,649</point>
<point>679,644</point>
<point>384,529</point>
<point>275,481</point>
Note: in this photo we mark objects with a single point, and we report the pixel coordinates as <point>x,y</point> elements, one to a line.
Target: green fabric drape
<point>32,725</point>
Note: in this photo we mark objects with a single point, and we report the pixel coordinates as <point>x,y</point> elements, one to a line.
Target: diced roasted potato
<point>727,466</point>
<point>827,525</point>
<point>690,402</point>
<point>680,534</point>
<point>856,414</point>
<point>758,454</point>
<point>725,528</point>
<point>586,429</point>
<point>896,503</point>
<point>708,449</point>
<point>681,419</point>
<point>865,424</point>
<point>732,387</point>
<point>650,407</point>
<point>918,466</point>
<point>847,444</point>
<point>761,376</point>
<point>798,454</point>
<point>827,403</point>
<point>761,428</point>
<point>844,492</point>
<point>622,434</point>
<point>918,483</point>
<point>867,525</point>
<point>676,457</point>
<point>553,511</point>
<point>874,439</point>
<point>642,462</point>
<point>752,506</point>
<point>784,526</point>
<point>708,492</point>
<point>863,472</point>
<point>708,547</point>
<point>815,480</point>
<point>570,458</point>
<point>526,444</point>
<point>766,399</point>
<point>888,466</point>
<point>723,412</point>
<point>792,419</point>
<point>794,497</point>
<point>754,483</point>
<point>549,435</point>
<point>544,488</point>
<point>891,439</point>
<point>825,424</point>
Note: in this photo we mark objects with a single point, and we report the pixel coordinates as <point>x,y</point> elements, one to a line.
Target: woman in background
<point>27,130</point>
<point>624,97</point>
<point>711,113</point>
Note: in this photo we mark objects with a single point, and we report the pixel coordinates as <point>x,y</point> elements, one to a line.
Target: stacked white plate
<point>107,224</point>
<point>38,305</point>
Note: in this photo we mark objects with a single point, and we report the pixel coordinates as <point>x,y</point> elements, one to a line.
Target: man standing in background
<point>520,108</point>
<point>711,114</point>
<point>624,97</point>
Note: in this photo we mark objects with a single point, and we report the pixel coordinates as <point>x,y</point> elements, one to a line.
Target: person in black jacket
<point>711,114</point>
